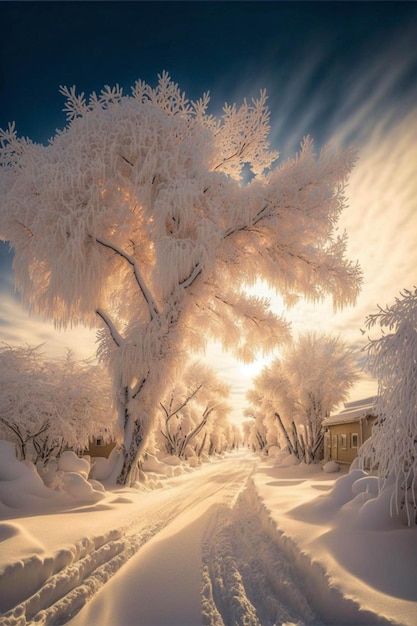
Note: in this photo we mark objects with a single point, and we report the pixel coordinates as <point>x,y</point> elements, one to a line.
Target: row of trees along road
<point>135,218</point>
<point>290,398</point>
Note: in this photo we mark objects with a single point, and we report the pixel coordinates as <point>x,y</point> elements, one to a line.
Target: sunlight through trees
<point>134,218</point>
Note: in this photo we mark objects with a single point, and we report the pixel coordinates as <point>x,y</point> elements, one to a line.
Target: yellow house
<point>346,431</point>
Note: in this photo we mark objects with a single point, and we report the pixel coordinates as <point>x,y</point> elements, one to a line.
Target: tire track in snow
<point>247,579</point>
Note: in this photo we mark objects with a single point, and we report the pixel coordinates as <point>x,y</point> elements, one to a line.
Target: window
<point>99,442</point>
<point>354,440</point>
<point>334,441</point>
<point>343,441</point>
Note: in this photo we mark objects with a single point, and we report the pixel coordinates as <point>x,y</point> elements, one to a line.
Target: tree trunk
<point>134,437</point>
<point>304,447</point>
<point>131,453</point>
<point>261,441</point>
<point>318,452</point>
<point>200,451</point>
<point>287,438</point>
<point>188,438</point>
<point>296,442</point>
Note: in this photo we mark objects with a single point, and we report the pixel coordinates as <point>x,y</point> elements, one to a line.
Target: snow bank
<point>174,461</point>
<point>77,487</point>
<point>70,462</point>
<point>282,457</point>
<point>106,469</point>
<point>358,561</point>
<point>21,487</point>
<point>154,465</point>
<point>355,562</point>
<point>331,467</point>
<point>80,549</point>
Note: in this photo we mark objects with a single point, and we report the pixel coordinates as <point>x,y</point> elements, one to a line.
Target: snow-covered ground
<point>236,541</point>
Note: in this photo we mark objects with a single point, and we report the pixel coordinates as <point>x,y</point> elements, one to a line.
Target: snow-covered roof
<point>360,403</point>
<point>352,413</point>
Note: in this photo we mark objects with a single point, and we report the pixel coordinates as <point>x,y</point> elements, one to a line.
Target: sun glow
<point>250,370</point>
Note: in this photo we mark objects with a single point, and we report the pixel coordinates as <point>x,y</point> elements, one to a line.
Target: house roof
<point>353,412</point>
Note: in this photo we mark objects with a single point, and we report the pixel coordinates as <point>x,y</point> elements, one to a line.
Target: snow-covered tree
<point>193,407</point>
<point>135,217</point>
<point>218,435</point>
<point>392,358</point>
<point>47,404</point>
<point>227,436</point>
<point>300,389</point>
<point>260,430</point>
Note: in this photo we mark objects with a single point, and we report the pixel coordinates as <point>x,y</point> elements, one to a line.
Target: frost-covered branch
<point>187,282</point>
<point>114,333</point>
<point>153,311</point>
<point>252,221</point>
<point>170,414</point>
<point>139,386</point>
<point>197,395</point>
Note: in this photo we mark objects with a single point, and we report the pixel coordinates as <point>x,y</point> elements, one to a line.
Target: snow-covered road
<point>193,552</point>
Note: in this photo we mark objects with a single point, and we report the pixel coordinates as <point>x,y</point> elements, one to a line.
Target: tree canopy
<point>135,218</point>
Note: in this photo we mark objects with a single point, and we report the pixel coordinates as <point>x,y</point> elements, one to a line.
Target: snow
<point>343,530</point>
<point>237,540</point>
<point>353,411</point>
<point>331,467</point>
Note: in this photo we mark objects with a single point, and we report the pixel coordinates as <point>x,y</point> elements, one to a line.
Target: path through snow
<point>195,547</point>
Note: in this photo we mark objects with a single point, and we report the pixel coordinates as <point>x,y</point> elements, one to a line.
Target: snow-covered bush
<point>22,488</point>
<point>331,467</point>
<point>70,462</point>
<point>19,484</point>
<point>392,449</point>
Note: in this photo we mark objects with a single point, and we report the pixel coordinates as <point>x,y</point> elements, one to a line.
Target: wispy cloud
<point>18,328</point>
<point>341,102</point>
<point>381,222</point>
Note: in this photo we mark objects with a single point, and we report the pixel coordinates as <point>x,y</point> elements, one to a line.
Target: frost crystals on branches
<point>134,217</point>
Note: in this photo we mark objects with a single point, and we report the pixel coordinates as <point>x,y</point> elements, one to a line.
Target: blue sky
<point>340,71</point>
